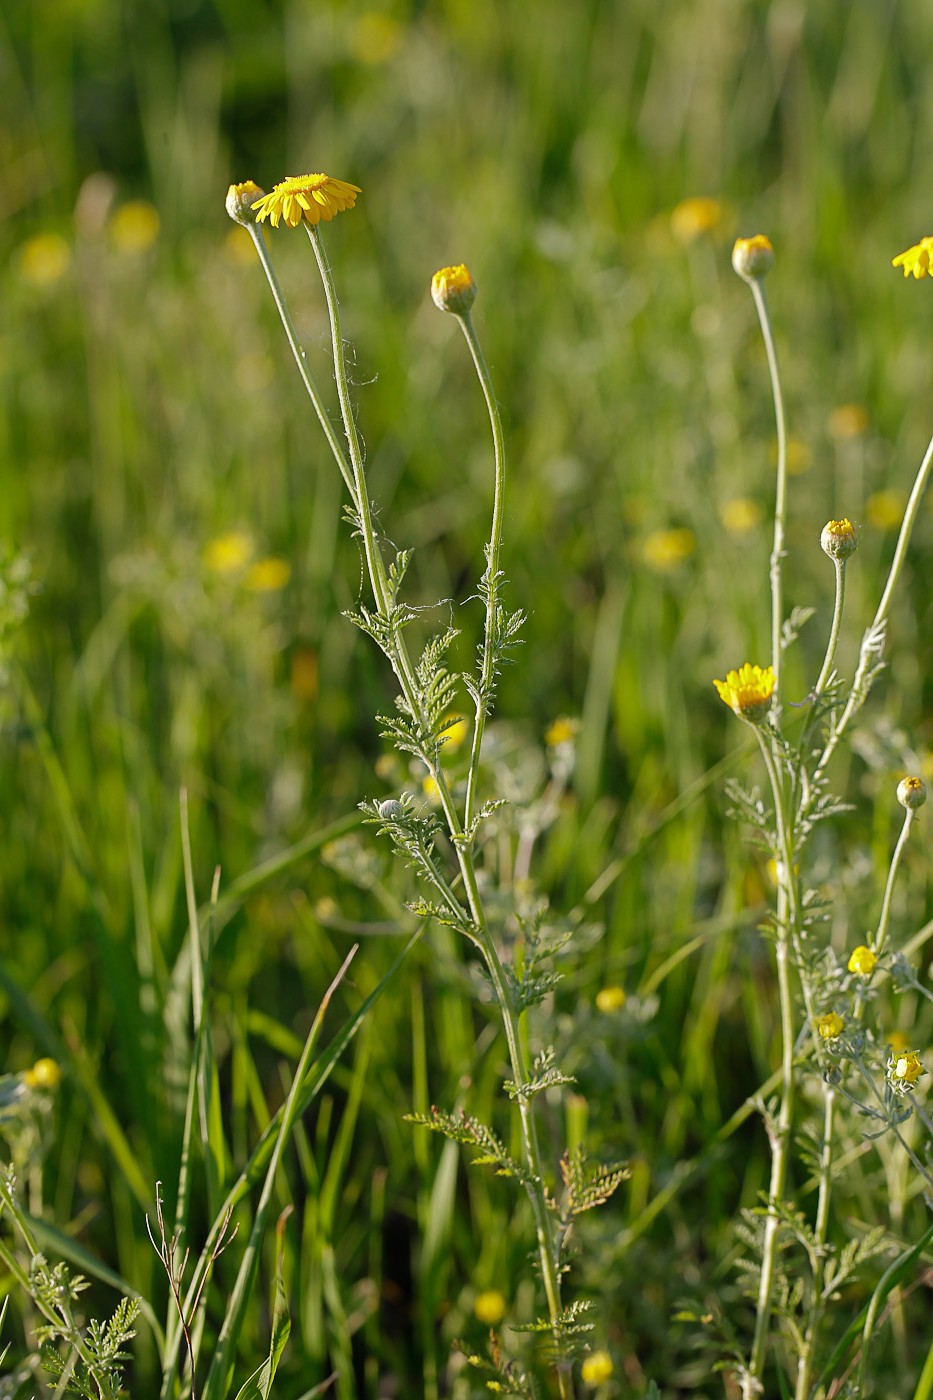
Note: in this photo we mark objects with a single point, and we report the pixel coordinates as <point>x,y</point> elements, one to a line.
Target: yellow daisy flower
<point>663,550</point>
<point>747,690</point>
<point>45,1074</point>
<point>693,217</point>
<point>610,999</point>
<point>916,260</point>
<point>310,197</point>
<point>268,575</point>
<point>489,1307</point>
<point>597,1368</point>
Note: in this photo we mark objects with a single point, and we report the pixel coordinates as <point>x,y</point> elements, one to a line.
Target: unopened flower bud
<point>911,793</point>
<point>753,258</point>
<point>838,539</point>
<point>391,810</point>
<point>453,289</point>
<point>240,199</point>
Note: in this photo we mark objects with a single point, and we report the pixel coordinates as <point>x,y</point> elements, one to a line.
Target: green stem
<point>871,647</point>
<point>840,565</point>
<point>780,504</point>
<point>307,379</point>
<point>781,1130</point>
<point>820,1230</point>
<point>491,578</point>
<point>406,675</point>
<point>880,937</point>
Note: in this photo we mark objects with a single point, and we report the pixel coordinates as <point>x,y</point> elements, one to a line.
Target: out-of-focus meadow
<point>164,472</point>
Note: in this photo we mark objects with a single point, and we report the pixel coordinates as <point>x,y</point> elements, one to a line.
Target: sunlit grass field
<point>185,631</point>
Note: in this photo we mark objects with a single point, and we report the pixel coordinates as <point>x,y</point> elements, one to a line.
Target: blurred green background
<point>157,454</point>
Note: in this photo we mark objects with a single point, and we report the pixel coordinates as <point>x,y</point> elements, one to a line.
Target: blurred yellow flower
<point>747,690</point>
<point>489,1307</point>
<point>885,509</point>
<point>238,248</point>
<point>228,554</point>
<point>862,961</point>
<point>663,550</point>
<point>562,731</point>
<point>310,197</point>
<point>610,999</point>
<point>430,789</point>
<point>45,1074</point>
<point>848,420</point>
<point>455,732</point>
<point>830,1026</point>
<point>691,218</point>
<point>597,1368</point>
<point>134,226</point>
<point>268,575</point>
<point>798,455</point>
<point>44,259</point>
<point>304,676</point>
<point>898,1041</point>
<point>740,515</point>
<point>374,38</point>
<point>916,260</point>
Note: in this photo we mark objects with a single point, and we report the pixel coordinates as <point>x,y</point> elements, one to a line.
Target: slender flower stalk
<point>752,259</point>
<point>354,476</point>
<point>873,640</point>
<point>301,360</point>
<point>818,1257</point>
<point>492,576</point>
<point>910,813</point>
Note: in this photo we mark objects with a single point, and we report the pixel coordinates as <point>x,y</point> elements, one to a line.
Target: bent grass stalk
<point>355,479</point>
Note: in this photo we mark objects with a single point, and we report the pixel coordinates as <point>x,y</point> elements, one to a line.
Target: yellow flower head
<point>848,420</point>
<point>562,731</point>
<point>906,1069</point>
<point>665,549</point>
<point>830,1026</point>
<point>898,1041</point>
<point>862,961</point>
<point>884,510</point>
<point>911,793</point>
<point>753,258</point>
<point>268,575</point>
<point>838,539</point>
<point>45,1074</point>
<point>44,260</point>
<point>597,1368</point>
<point>610,999</point>
<point>310,197</point>
<point>135,226</point>
<point>228,554</point>
<point>454,732</point>
<point>693,217</point>
<point>740,515</point>
<point>747,690</point>
<point>240,200</point>
<point>489,1307</point>
<point>916,260</point>
<point>453,289</point>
